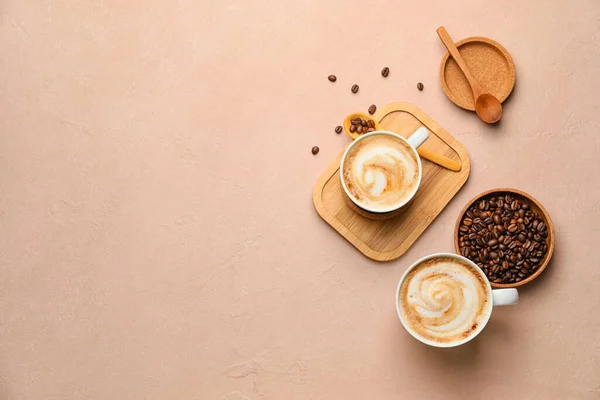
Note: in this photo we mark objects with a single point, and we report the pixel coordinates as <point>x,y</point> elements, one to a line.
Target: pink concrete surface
<point>157,235</point>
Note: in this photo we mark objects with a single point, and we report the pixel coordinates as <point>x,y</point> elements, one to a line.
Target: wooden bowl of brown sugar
<point>508,234</point>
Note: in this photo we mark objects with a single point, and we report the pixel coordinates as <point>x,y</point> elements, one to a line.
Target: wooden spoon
<point>487,107</point>
<point>434,157</point>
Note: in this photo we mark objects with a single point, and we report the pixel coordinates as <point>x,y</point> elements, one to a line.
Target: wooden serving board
<point>388,239</point>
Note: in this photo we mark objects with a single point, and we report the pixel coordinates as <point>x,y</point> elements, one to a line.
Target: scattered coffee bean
<point>338,129</point>
<point>420,86</point>
<point>332,78</point>
<point>372,109</point>
<point>505,237</point>
<point>315,150</point>
<point>354,88</point>
<point>385,72</point>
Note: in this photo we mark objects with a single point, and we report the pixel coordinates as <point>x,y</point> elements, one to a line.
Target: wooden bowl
<point>536,206</point>
<point>348,123</point>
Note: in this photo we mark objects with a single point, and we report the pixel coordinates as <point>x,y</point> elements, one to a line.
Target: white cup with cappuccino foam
<point>381,171</point>
<point>445,300</point>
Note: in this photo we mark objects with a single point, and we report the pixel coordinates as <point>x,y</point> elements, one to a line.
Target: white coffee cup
<point>497,297</point>
<point>414,141</point>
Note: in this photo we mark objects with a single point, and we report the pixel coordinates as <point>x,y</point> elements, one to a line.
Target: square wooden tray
<point>388,239</point>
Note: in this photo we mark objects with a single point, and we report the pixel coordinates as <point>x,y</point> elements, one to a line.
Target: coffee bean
<point>332,78</point>
<point>371,123</point>
<point>359,129</point>
<point>505,236</point>
<point>354,88</point>
<point>371,130</point>
<point>338,129</point>
<point>372,109</point>
<point>420,86</point>
<point>315,150</point>
<point>364,123</point>
<point>385,72</point>
<point>352,128</point>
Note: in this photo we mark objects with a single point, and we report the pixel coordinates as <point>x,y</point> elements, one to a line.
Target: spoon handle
<point>449,43</point>
<point>439,159</point>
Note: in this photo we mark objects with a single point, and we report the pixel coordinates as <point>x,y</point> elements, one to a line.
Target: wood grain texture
<point>490,64</point>
<point>535,206</point>
<point>385,240</point>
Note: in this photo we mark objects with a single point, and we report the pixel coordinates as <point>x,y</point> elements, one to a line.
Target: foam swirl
<point>381,171</point>
<point>444,300</point>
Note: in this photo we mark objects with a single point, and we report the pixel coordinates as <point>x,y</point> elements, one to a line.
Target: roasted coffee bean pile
<point>504,237</point>
<point>360,125</point>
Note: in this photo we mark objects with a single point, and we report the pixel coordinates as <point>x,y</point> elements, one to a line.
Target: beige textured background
<point>157,236</point>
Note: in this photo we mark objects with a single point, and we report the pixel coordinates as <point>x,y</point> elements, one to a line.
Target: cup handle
<point>505,297</point>
<point>418,137</point>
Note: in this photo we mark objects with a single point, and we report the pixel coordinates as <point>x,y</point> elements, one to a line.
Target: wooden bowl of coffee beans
<point>357,124</point>
<point>508,234</point>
